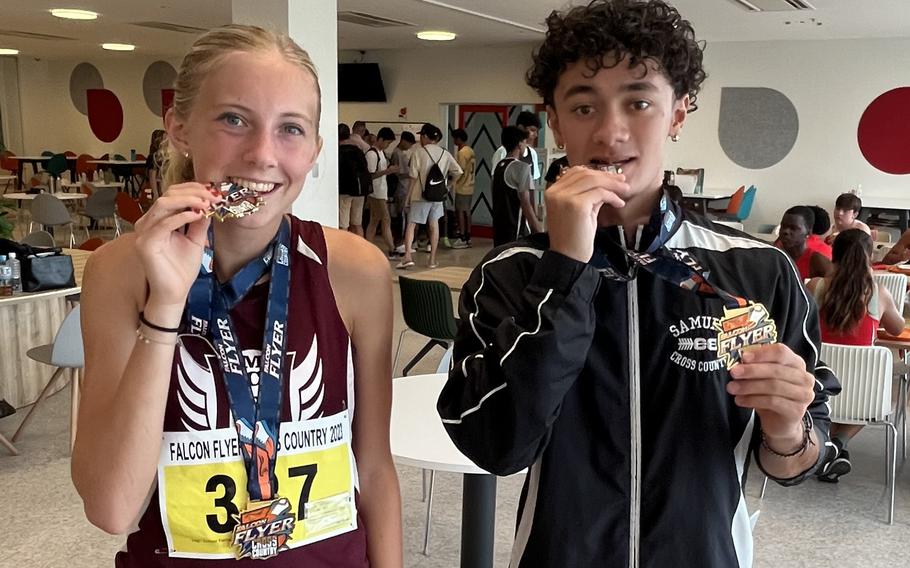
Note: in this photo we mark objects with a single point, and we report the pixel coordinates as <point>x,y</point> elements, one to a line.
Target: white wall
<point>423,79</point>
<point>829,82</point>
<point>50,121</point>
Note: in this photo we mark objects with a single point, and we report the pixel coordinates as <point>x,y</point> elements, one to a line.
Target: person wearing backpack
<point>430,169</point>
<point>354,183</point>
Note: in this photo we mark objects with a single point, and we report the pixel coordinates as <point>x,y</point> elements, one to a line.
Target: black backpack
<point>434,188</point>
<point>353,177</point>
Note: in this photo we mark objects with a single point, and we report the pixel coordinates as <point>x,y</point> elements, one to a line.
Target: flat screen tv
<point>360,82</point>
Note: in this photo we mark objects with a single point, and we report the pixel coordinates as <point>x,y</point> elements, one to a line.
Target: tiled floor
<point>813,525</point>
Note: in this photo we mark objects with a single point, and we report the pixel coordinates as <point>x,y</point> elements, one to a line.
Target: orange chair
<point>735,202</point>
<point>86,188</point>
<point>91,244</point>
<point>69,154</point>
<point>127,208</point>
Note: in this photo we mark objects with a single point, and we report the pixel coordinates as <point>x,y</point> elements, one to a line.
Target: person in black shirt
<point>636,356</point>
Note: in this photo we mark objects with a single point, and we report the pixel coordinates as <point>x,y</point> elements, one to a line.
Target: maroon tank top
<point>319,382</point>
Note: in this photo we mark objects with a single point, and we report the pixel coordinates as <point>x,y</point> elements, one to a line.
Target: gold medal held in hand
<point>741,329</point>
<point>238,201</point>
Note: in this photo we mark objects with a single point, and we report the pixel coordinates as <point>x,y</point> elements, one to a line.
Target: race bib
<point>202,485</point>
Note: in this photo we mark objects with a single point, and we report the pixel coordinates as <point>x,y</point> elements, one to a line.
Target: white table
<point>418,439</point>
<point>62,196</point>
<point>700,200</point>
<point>116,162</point>
<point>100,184</point>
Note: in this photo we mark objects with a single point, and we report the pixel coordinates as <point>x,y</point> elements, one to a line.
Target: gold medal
<point>741,329</point>
<point>238,202</point>
<point>263,529</point>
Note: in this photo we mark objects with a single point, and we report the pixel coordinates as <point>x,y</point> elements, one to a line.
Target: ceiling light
<point>71,14</point>
<point>118,46</point>
<point>436,36</point>
<point>8,51</point>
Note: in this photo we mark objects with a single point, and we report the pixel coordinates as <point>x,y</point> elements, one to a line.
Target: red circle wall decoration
<point>105,114</point>
<point>884,132</point>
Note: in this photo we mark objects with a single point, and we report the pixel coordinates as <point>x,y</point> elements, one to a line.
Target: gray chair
<point>100,205</point>
<point>65,353</point>
<point>39,239</point>
<point>49,211</point>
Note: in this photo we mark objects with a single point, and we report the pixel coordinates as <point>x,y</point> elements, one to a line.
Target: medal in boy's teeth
<point>609,168</point>
<point>238,201</point>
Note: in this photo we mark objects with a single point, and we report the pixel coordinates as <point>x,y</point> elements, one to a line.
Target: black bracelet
<point>807,439</point>
<point>150,325</point>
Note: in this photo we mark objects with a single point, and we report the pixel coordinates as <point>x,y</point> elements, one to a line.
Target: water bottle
<point>16,272</point>
<point>6,277</point>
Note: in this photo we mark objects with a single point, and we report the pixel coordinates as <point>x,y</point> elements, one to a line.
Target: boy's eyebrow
<point>579,89</point>
<point>632,87</point>
<point>638,86</point>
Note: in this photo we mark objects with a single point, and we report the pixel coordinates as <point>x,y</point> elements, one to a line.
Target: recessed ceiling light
<point>118,46</point>
<point>71,14</point>
<point>8,51</point>
<point>436,35</point>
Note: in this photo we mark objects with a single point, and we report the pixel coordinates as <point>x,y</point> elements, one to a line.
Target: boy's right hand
<point>573,207</point>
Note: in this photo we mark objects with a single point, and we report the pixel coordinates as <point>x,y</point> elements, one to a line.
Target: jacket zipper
<point>634,415</point>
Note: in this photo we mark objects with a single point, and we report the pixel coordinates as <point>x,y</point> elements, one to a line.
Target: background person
<point>851,307</point>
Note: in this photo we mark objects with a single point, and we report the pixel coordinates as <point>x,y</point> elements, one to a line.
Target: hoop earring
<point>561,146</point>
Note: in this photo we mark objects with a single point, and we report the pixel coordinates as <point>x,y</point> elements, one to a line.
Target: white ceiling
<point>714,20</point>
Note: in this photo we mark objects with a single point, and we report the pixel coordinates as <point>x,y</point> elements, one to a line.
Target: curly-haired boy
<point>635,356</point>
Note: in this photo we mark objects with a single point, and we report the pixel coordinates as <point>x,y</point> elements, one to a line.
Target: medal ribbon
<point>674,266</point>
<point>208,307</point>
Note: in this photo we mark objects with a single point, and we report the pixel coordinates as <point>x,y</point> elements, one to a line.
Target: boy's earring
<point>561,146</point>
<point>675,138</point>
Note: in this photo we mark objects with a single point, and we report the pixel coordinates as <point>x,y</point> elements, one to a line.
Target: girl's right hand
<point>170,254</point>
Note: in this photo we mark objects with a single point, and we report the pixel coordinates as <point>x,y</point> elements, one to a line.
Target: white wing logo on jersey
<point>196,392</point>
<point>306,387</point>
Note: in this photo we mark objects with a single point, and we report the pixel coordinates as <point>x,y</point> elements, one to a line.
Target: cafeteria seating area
<point>794,113</point>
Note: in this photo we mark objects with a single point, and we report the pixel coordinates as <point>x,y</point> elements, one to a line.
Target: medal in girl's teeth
<point>237,201</point>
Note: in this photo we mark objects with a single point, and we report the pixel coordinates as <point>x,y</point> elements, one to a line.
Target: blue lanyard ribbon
<point>256,418</point>
<point>675,266</point>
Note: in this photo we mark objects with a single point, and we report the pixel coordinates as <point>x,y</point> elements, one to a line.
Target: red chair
<point>8,163</point>
<point>82,165</point>
<point>91,244</point>
<point>69,154</point>
<point>127,208</point>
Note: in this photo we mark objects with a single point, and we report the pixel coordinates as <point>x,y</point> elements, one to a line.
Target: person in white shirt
<point>379,168</point>
<point>357,131</point>
<point>530,123</point>
<point>421,211</point>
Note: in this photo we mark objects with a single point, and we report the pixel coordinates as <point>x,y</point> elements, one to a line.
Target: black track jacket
<point>612,394</point>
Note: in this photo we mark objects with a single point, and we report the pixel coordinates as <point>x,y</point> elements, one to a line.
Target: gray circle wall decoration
<point>758,126</point>
<point>159,75</point>
<point>84,76</point>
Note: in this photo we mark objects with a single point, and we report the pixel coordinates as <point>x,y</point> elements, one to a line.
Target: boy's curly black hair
<point>605,29</point>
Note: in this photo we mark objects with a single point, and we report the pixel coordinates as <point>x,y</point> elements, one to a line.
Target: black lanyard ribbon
<point>675,266</point>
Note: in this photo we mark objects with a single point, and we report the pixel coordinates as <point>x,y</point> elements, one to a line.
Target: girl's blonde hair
<point>203,57</point>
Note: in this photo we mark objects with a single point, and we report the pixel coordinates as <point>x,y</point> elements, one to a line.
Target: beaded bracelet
<point>150,325</point>
<point>145,339</point>
<point>807,439</point>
